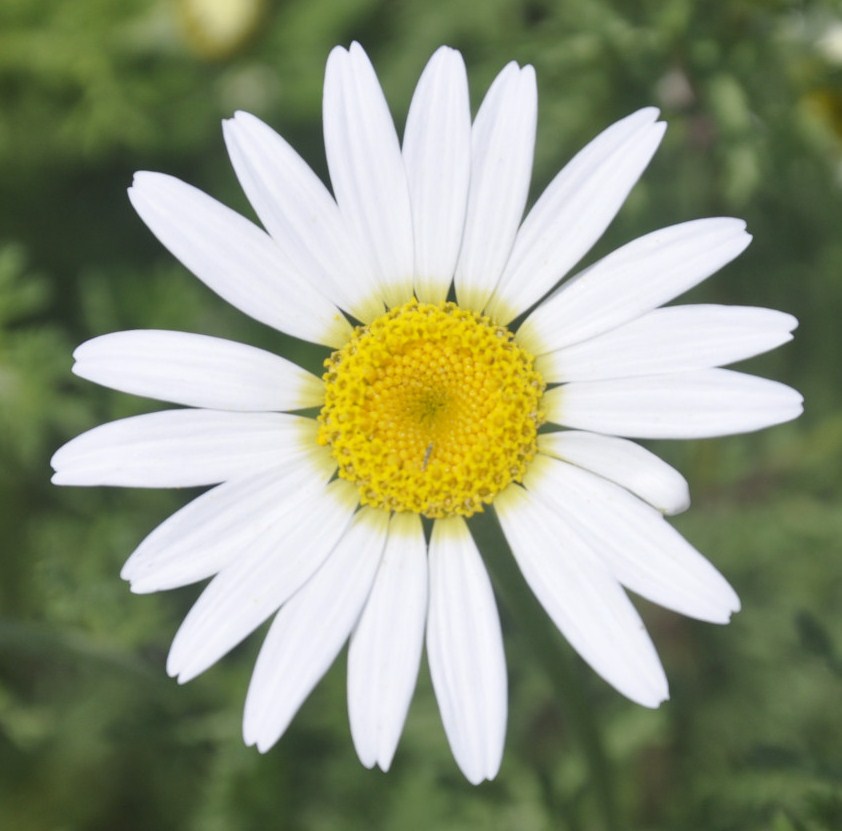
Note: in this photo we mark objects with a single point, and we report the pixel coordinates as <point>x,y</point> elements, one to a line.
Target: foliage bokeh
<point>92,733</point>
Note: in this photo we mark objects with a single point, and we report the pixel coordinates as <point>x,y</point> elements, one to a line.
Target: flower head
<point>433,405</point>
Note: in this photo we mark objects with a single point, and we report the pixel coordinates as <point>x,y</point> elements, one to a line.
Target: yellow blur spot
<point>218,28</point>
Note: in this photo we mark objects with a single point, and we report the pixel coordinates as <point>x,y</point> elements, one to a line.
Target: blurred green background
<point>95,737</point>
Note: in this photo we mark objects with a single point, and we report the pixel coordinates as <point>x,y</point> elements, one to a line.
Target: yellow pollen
<point>431,409</point>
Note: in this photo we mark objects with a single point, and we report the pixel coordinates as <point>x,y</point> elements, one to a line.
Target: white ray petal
<point>502,147</point>
<point>227,522</point>
<point>311,628</point>
<point>255,585</point>
<point>700,404</point>
<point>386,645</point>
<point>437,155</point>
<point>631,281</point>
<point>300,214</point>
<point>643,551</point>
<point>236,259</point>
<point>582,597</point>
<point>465,651</point>
<point>673,339</point>
<point>197,370</point>
<point>181,448</point>
<point>624,462</point>
<point>574,211</point>
<point>367,171</point>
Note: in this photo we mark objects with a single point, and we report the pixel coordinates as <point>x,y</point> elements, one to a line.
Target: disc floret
<point>431,408</point>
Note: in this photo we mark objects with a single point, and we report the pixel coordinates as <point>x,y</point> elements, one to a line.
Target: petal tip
<point>474,777</point>
<point>175,664</point>
<point>680,504</point>
<point>143,177</point>
<point>735,606</point>
<point>657,693</point>
<point>336,54</point>
<point>65,477</point>
<point>368,760</point>
<point>651,113</point>
<point>661,700</point>
<point>527,73</point>
<point>138,585</point>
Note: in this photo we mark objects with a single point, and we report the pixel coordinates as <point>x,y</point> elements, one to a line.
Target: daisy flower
<point>433,404</point>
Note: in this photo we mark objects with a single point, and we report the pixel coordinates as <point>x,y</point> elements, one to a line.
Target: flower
<point>433,404</point>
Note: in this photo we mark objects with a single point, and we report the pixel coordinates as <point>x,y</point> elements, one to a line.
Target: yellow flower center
<point>431,409</point>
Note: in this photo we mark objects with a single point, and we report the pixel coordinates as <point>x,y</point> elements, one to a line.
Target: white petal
<point>301,215</point>
<point>437,155</point>
<point>502,146</point>
<point>643,551</point>
<point>674,339</point>
<point>701,404</point>
<point>366,170</point>
<point>624,462</point>
<point>198,371</point>
<point>225,523</point>
<point>295,543</point>
<point>181,448</point>
<point>236,259</point>
<point>311,628</point>
<point>631,281</point>
<point>465,651</point>
<point>574,211</point>
<point>386,645</point>
<point>582,597</point>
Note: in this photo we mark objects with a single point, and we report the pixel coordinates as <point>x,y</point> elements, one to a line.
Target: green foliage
<point>92,733</point>
<point>33,361</point>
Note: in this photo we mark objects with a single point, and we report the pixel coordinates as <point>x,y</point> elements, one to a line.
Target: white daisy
<point>429,407</point>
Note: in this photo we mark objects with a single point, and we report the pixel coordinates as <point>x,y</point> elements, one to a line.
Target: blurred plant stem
<point>558,664</point>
